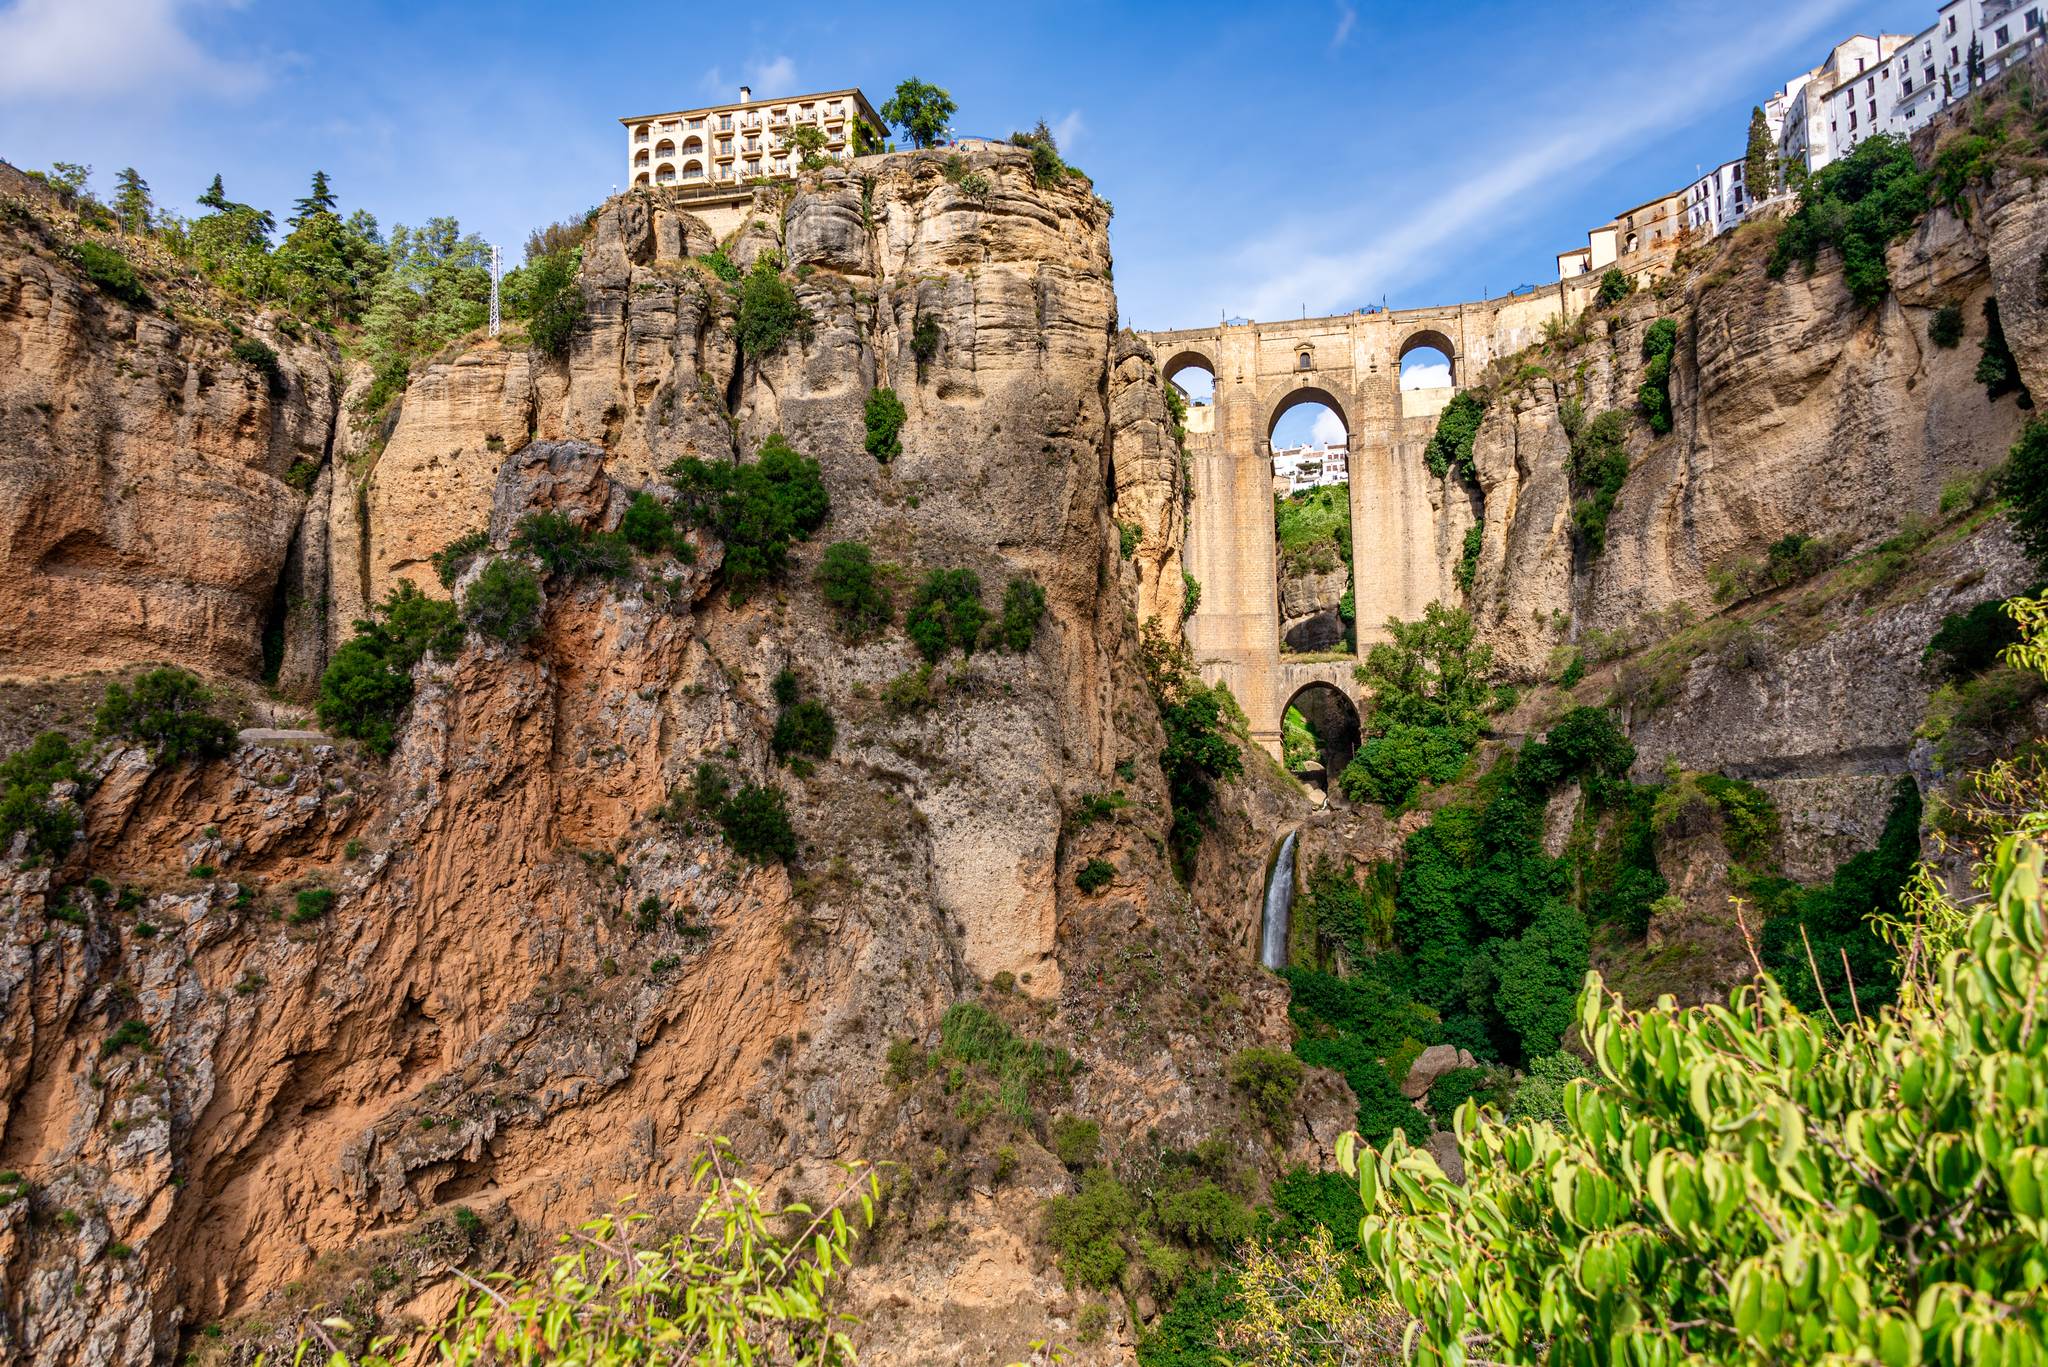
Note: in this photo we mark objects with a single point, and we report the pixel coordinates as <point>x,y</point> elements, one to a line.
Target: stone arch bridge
<point>1407,529</point>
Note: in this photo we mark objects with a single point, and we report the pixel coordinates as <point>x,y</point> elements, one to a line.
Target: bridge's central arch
<point>1406,529</point>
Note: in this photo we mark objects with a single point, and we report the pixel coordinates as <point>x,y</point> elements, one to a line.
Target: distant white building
<point>1717,201</point>
<point>1297,469</point>
<point>1813,134</point>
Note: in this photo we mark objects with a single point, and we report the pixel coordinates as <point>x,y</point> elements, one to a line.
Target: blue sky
<point>1262,159</point>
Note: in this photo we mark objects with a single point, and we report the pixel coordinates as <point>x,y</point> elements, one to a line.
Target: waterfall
<point>1279,902</point>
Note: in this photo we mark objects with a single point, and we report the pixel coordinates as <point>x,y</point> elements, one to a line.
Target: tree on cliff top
<point>1759,168</point>
<point>921,111</point>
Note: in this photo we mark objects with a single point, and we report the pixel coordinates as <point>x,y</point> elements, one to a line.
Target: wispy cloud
<point>1347,20</point>
<point>1070,130</point>
<point>142,49</point>
<point>1319,276</point>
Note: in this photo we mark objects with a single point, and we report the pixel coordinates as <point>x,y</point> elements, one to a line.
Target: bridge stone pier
<point>1407,529</point>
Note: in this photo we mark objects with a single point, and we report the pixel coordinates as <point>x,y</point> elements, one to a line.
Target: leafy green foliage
<point>1615,286</point>
<point>1998,370</point>
<point>1755,1184</point>
<point>1541,1094</point>
<point>1186,1335</point>
<point>1313,530</point>
<point>1468,558</point>
<point>28,778</point>
<point>946,612</point>
<point>921,110</point>
<point>1837,920</point>
<point>1199,750</point>
<point>110,270</point>
<point>1023,609</point>
<point>170,712</point>
<point>1456,1087</point>
<point>1660,342</point>
<point>1270,1080</point>
<point>885,416</point>
<point>1048,168</point>
<point>1095,875</point>
<point>2023,484</point>
<point>569,550</point>
<point>756,1282</point>
<point>450,561</point>
<point>1970,642</point>
<point>852,587</point>
<point>436,288</point>
<point>1749,819</point>
<point>1298,744</point>
<point>1086,1229</point>
<point>1599,467</point>
<point>647,525</point>
<point>721,265</point>
<point>804,728</point>
<point>770,313</point>
<point>1429,690</point>
<point>1191,596</point>
<point>549,298</point>
<point>1760,156</point>
<point>754,819</point>
<point>972,1034</point>
<point>311,904</point>
<point>1945,328</point>
<point>1457,427</point>
<point>758,510</point>
<point>1075,1141</point>
<point>925,338</point>
<point>1858,204</point>
<point>504,602</point>
<point>368,681</point>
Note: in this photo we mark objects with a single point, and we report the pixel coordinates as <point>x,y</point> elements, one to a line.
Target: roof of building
<point>854,91</point>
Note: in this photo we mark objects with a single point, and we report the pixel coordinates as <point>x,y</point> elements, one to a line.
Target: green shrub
<point>853,590</point>
<point>568,549</point>
<point>504,602</point>
<point>1660,343</point>
<point>259,357</point>
<point>1574,671</point>
<point>2023,484</point>
<point>885,417</point>
<point>129,1034</point>
<point>946,612</point>
<point>755,823</point>
<point>1313,530</point>
<point>805,728</point>
<point>1468,557</point>
<point>27,779</point>
<point>1615,286</point>
<point>1945,328</point>
<point>1203,1214</point>
<point>648,526</point>
<point>310,905</point>
<point>368,681</point>
<point>1023,608</point>
<point>1457,427</point>
<point>1541,1094</point>
<point>1199,751</point>
<point>1086,1230</point>
<point>1128,535</point>
<point>1187,1334</point>
<point>769,313</point>
<point>969,1033</point>
<point>1075,1141</point>
<point>1454,1088</point>
<point>1191,596</point>
<point>1270,1080</point>
<point>1858,204</point>
<point>1599,466</point>
<point>1895,1157</point>
<point>1094,876</point>
<point>1390,767</point>
<point>1749,819</point>
<point>1835,922</point>
<point>170,712</point>
<point>758,510</point>
<point>1998,370</point>
<point>110,270</point>
<point>924,343</point>
<point>452,559</point>
<point>1970,642</point>
<point>721,265</point>
<point>552,301</point>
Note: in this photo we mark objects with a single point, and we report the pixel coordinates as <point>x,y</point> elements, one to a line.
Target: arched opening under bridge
<point>1319,734</point>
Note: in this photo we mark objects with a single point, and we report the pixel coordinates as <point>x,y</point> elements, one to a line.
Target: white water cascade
<point>1279,903</point>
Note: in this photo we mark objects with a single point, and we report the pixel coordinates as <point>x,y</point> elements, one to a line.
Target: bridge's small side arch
<point>1435,341</point>
<point>1185,360</point>
<point>1333,718</point>
<point>1308,393</point>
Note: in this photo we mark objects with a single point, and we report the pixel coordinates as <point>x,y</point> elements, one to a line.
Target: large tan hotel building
<point>730,144</point>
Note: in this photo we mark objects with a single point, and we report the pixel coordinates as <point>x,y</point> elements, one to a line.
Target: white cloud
<point>1322,278</point>
<point>1347,19</point>
<point>1427,375</point>
<point>1070,130</point>
<point>775,77</point>
<point>1328,428</point>
<point>69,50</point>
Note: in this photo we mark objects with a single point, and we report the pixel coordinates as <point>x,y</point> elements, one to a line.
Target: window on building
<point>1873,111</point>
<point>1951,51</point>
<point>2002,36</point>
<point>2033,19</point>
<point>1951,29</point>
<point>725,123</point>
<point>1852,120</point>
<point>1303,361</point>
<point>1907,86</point>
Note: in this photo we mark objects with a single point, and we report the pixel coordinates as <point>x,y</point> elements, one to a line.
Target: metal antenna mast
<point>494,290</point>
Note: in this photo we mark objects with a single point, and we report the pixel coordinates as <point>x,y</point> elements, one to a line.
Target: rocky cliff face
<point>530,991</point>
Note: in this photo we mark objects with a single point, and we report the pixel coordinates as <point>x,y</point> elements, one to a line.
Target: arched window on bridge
<point>1194,377</point>
<point>1429,374</point>
<point>1319,733</point>
<point>1311,453</point>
